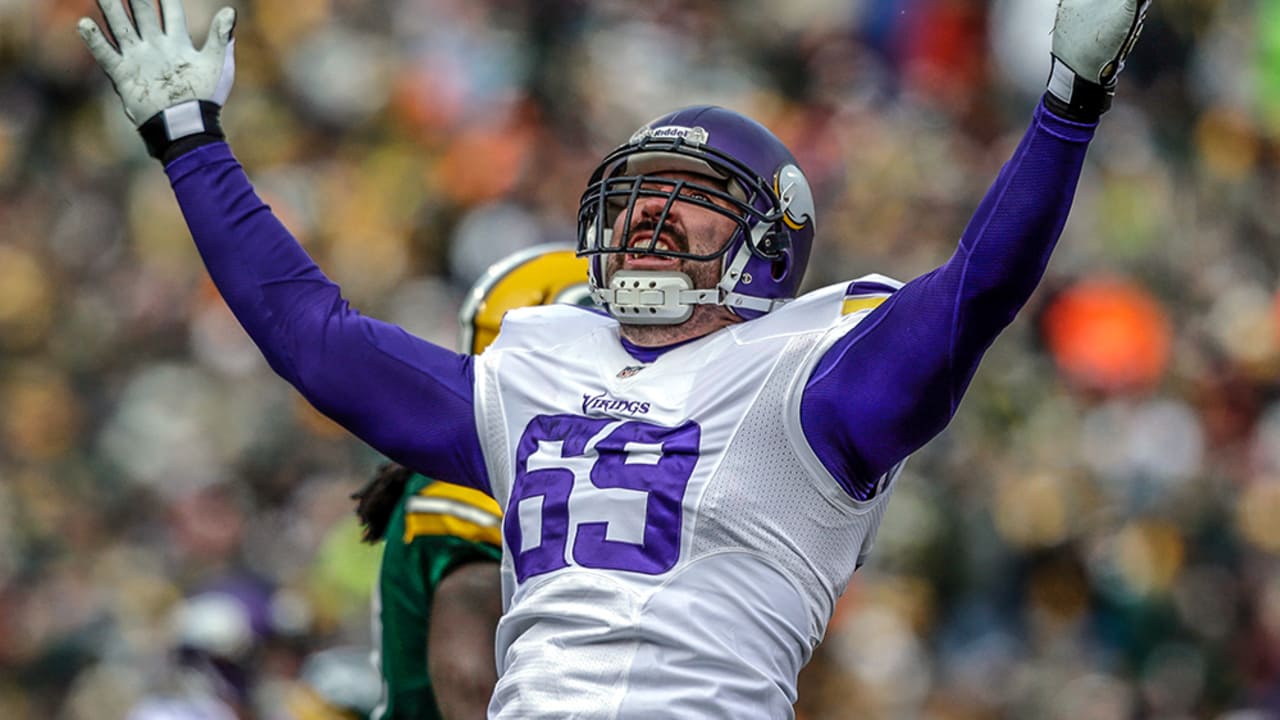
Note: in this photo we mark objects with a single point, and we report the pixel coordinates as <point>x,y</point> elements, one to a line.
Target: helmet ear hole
<point>776,243</point>
<point>779,268</point>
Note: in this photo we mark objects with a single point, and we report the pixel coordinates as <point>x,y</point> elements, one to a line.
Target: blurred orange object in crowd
<point>1108,334</point>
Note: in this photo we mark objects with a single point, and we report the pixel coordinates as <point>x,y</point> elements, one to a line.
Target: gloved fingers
<point>145,17</point>
<point>118,23</point>
<point>219,48</point>
<point>106,55</point>
<point>175,18</point>
<point>220,31</point>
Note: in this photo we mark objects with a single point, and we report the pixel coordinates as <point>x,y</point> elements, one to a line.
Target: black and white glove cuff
<point>181,128</point>
<point>1072,97</point>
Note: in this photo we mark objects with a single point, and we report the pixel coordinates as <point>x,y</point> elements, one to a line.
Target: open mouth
<point>644,245</point>
<point>644,242</point>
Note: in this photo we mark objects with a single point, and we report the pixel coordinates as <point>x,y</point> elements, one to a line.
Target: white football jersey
<point>672,545</point>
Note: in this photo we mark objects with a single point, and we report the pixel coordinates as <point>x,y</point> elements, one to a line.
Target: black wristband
<point>1072,97</point>
<point>181,128</point>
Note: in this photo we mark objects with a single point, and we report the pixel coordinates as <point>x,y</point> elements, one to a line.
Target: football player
<point>690,481</point>
<point>438,597</point>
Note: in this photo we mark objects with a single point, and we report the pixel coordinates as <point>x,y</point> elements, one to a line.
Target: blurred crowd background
<point>1097,535</point>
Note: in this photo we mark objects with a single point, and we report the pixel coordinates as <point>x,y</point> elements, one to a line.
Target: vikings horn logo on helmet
<point>796,196</point>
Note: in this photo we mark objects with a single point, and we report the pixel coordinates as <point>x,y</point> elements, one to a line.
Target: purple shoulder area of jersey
<point>868,287</point>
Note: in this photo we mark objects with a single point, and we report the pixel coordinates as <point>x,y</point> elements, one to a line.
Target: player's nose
<point>651,207</point>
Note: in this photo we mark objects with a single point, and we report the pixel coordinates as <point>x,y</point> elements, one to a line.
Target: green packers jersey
<point>435,528</point>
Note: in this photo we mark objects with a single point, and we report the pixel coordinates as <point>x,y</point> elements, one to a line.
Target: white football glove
<point>1091,39</point>
<point>169,89</point>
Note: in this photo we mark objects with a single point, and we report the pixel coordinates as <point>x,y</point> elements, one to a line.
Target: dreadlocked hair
<point>378,498</point>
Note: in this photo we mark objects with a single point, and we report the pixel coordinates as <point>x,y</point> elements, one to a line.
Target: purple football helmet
<point>762,264</point>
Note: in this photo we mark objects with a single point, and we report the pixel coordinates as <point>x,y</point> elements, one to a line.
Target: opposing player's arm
<point>894,381</point>
<point>455,533</point>
<point>460,651</point>
<point>411,400</point>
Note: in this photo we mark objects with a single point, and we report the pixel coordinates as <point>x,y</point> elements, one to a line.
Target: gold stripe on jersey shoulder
<point>453,510</point>
<point>466,495</point>
<point>854,303</point>
<point>423,525</point>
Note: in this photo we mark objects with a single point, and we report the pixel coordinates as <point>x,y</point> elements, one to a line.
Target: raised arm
<point>407,398</point>
<point>894,382</point>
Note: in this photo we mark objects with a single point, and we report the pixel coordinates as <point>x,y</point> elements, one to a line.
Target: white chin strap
<point>659,297</point>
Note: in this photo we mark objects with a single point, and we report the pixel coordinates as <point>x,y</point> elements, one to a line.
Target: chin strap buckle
<point>651,297</point>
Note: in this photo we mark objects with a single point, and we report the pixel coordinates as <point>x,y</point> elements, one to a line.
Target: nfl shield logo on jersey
<point>629,370</point>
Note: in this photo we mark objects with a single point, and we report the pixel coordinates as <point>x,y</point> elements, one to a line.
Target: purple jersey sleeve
<point>895,381</point>
<point>405,397</point>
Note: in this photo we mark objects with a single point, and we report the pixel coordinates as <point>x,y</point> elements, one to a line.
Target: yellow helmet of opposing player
<point>540,275</point>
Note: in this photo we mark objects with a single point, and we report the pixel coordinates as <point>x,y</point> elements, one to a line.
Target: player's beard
<point>705,275</point>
